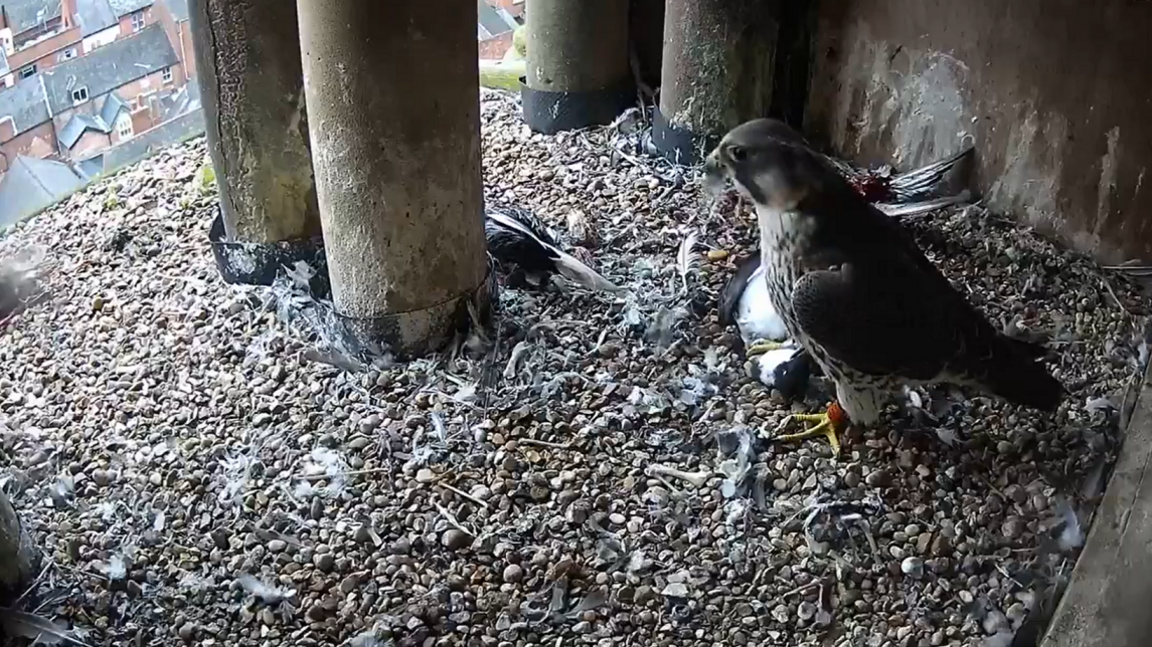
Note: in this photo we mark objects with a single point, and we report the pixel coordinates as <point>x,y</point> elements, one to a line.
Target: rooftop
<point>493,21</point>
<point>95,16</point>
<point>28,14</point>
<point>32,184</point>
<point>125,7</point>
<point>24,103</point>
<point>101,122</point>
<point>178,9</point>
<point>107,68</point>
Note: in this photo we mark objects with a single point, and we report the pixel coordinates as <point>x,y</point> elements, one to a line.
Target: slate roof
<point>493,21</point>
<point>24,102</point>
<point>125,7</point>
<point>178,9</point>
<point>94,16</point>
<point>27,14</point>
<point>102,122</point>
<point>109,67</point>
<point>32,184</point>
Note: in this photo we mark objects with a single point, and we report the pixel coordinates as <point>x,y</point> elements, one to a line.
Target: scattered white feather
<point>235,477</point>
<point>1096,405</point>
<point>267,593</point>
<point>438,425</point>
<point>304,490</point>
<point>466,393</point>
<point>712,359</point>
<point>686,258</point>
<point>1071,533</point>
<point>116,570</point>
<point>106,510</point>
<point>193,583</point>
<point>331,465</point>
<point>735,511</point>
<point>735,467</point>
<point>301,273</point>
<point>516,359</point>
<point>946,436</point>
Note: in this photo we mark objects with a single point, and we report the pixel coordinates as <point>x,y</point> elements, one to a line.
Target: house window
<point>124,126</point>
<point>66,54</point>
<point>138,20</point>
<point>28,71</point>
<point>80,95</point>
<point>166,75</point>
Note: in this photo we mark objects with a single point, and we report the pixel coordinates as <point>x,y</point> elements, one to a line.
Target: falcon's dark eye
<point>738,153</point>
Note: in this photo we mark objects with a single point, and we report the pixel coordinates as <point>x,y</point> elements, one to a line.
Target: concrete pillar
<point>716,72</point>
<point>394,115</point>
<point>248,59</point>
<point>19,558</point>
<point>578,68</point>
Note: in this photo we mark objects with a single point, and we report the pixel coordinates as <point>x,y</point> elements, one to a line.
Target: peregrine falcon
<point>857,292</point>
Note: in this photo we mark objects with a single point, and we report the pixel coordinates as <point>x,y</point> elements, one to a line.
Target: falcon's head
<point>767,161</point>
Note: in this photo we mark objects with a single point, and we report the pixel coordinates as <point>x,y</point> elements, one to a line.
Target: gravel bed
<point>200,473</point>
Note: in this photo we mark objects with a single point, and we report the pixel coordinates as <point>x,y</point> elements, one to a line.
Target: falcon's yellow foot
<point>761,346</point>
<point>828,425</point>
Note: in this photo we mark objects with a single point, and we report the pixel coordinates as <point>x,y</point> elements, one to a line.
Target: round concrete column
<point>716,72</point>
<point>578,69</point>
<point>394,115</point>
<point>251,85</point>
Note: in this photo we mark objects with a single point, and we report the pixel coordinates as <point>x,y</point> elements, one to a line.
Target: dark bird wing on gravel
<point>516,238</point>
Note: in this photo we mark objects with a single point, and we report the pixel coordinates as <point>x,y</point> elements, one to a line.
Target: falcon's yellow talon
<point>761,346</point>
<point>827,425</point>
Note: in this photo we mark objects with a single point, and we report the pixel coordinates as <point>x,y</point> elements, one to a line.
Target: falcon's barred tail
<point>1012,372</point>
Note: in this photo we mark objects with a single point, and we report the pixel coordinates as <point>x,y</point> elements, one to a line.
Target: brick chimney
<point>68,13</point>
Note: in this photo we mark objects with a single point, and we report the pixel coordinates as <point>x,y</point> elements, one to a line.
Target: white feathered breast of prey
<point>517,240</point>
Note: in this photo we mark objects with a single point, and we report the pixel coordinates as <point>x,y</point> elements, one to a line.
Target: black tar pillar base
<point>578,69</point>
<point>394,116</point>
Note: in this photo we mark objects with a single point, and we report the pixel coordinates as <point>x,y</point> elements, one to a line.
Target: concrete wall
<point>1057,95</point>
